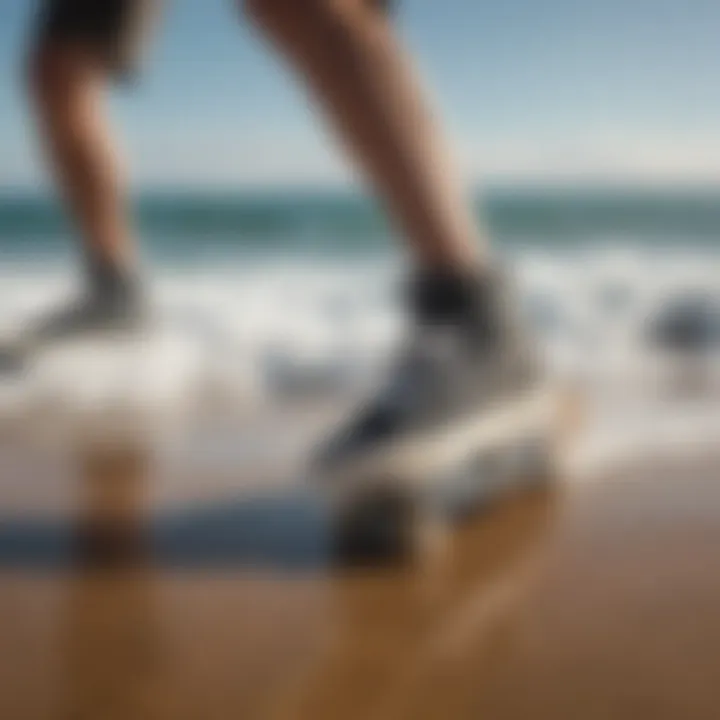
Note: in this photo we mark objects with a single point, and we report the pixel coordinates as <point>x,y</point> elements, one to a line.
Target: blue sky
<point>549,89</point>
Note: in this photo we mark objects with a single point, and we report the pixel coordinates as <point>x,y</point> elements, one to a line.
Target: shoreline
<point>595,600</point>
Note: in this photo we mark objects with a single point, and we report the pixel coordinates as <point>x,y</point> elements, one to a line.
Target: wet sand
<point>590,600</point>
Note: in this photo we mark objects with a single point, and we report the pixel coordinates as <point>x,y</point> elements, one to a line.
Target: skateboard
<point>403,499</point>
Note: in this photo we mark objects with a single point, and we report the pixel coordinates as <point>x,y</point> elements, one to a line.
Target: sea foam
<point>240,339</point>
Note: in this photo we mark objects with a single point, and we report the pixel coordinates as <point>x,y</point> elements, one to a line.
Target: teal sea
<point>179,227</point>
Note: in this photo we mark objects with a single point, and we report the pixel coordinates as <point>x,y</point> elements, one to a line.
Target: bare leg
<point>68,80</point>
<point>347,52</point>
<point>67,83</point>
<point>68,86</point>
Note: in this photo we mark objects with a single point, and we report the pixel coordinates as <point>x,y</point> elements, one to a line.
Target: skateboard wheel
<point>381,526</point>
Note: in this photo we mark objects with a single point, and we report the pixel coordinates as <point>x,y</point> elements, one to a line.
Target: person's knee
<point>58,75</point>
<point>44,74</point>
<point>37,71</point>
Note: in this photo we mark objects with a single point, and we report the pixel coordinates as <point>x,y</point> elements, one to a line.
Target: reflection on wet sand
<point>585,602</point>
<point>399,632</point>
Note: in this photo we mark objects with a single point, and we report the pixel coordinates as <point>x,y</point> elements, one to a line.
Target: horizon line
<point>569,185</point>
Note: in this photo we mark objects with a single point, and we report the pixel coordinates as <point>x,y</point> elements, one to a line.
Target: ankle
<point>466,298</point>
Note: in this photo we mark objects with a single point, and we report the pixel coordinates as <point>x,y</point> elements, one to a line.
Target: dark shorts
<point>114,29</point>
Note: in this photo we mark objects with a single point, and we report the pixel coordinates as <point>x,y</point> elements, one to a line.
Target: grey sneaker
<point>469,368</point>
<point>113,303</point>
<point>89,315</point>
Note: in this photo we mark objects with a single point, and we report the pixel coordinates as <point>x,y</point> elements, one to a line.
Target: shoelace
<point>429,350</point>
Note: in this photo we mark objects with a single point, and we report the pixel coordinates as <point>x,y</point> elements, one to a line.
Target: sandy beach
<point>264,240</point>
<point>595,599</point>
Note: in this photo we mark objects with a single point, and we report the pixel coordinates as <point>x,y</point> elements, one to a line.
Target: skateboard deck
<point>403,498</point>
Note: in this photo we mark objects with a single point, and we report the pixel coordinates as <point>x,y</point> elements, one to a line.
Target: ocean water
<point>285,297</point>
<point>182,228</point>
